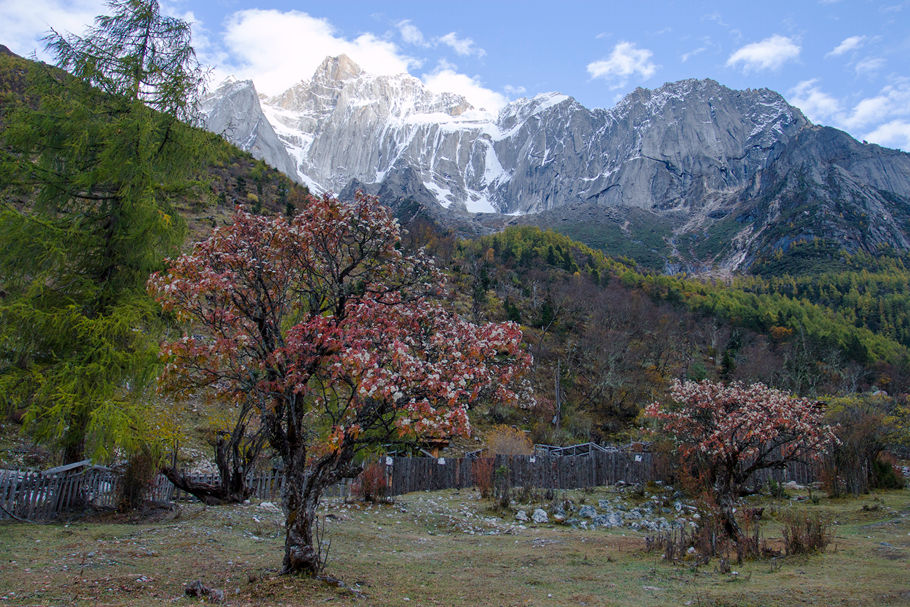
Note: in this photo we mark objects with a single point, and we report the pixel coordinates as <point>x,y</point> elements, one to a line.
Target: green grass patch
<point>445,548</point>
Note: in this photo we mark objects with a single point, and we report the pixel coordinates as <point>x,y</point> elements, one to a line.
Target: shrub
<point>885,474</point>
<point>136,481</point>
<point>805,533</point>
<point>508,440</point>
<point>776,489</point>
<point>482,473</point>
<point>709,539</point>
<point>371,485</point>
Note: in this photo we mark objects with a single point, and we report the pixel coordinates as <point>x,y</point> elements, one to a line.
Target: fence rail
<point>35,495</point>
<point>541,471</point>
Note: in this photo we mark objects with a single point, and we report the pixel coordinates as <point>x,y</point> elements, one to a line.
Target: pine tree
<point>101,157</point>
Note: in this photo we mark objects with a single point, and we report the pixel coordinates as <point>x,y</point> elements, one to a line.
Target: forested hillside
<point>618,334</point>
<point>96,190</point>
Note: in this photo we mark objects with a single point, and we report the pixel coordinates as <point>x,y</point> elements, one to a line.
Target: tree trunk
<point>301,549</point>
<point>728,517</point>
<point>233,467</point>
<point>74,439</point>
<point>212,494</point>
<point>303,487</point>
<point>725,490</point>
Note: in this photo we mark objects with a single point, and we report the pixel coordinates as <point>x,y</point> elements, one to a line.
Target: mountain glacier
<point>692,150</point>
<point>344,124</point>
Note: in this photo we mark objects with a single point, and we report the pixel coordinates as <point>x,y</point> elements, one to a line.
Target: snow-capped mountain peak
<point>673,147</point>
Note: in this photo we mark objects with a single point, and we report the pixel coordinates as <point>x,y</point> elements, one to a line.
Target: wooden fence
<point>597,468</point>
<point>35,495</point>
<point>265,486</point>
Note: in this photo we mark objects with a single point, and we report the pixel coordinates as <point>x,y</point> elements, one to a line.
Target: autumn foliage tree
<point>338,339</point>
<point>730,432</point>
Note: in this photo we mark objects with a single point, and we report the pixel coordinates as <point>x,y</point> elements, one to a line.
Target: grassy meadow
<point>444,548</point>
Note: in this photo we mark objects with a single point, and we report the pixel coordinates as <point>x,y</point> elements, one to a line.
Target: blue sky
<point>844,63</point>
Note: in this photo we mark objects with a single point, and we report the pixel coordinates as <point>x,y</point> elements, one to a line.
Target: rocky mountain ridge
<point>717,166</point>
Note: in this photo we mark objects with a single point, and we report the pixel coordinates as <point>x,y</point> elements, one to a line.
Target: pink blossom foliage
<point>339,337</point>
<point>735,430</point>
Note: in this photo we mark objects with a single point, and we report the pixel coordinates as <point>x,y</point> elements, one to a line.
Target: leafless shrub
<point>482,473</point>
<point>805,533</point>
<point>508,440</point>
<point>372,484</point>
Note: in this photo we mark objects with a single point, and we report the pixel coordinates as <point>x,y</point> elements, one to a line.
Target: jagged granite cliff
<point>234,112</point>
<point>728,175</point>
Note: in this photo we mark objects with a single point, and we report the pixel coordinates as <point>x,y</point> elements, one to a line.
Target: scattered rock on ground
<point>196,589</point>
<point>540,516</point>
<point>587,512</point>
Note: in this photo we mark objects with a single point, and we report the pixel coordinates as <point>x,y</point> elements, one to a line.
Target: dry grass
<point>443,548</point>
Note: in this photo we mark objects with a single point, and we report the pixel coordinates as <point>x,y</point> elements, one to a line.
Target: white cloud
<point>847,45</point>
<point>278,49</point>
<point>514,91</point>
<point>894,134</point>
<point>686,56</point>
<point>770,53</point>
<point>410,33</point>
<point>719,20</point>
<point>625,60</point>
<point>817,105</point>
<point>891,103</point>
<point>462,46</point>
<point>444,79</point>
<point>868,65</point>
<point>25,22</point>
<point>882,118</point>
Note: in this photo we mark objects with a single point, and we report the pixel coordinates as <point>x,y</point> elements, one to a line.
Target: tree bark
<point>725,489</point>
<point>301,496</point>
<point>212,494</point>
<point>302,490</point>
<point>233,462</point>
<point>74,439</point>
<point>728,517</point>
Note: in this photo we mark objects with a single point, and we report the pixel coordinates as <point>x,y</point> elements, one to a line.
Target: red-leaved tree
<point>337,337</point>
<point>731,431</point>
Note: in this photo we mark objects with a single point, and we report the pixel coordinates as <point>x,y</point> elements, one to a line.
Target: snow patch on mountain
<point>654,148</point>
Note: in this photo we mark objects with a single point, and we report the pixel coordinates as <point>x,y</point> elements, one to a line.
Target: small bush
<point>709,539</point>
<point>371,485</point>
<point>482,473</point>
<point>136,481</point>
<point>776,489</point>
<point>885,474</point>
<point>508,440</point>
<point>806,533</point>
<point>865,426</point>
